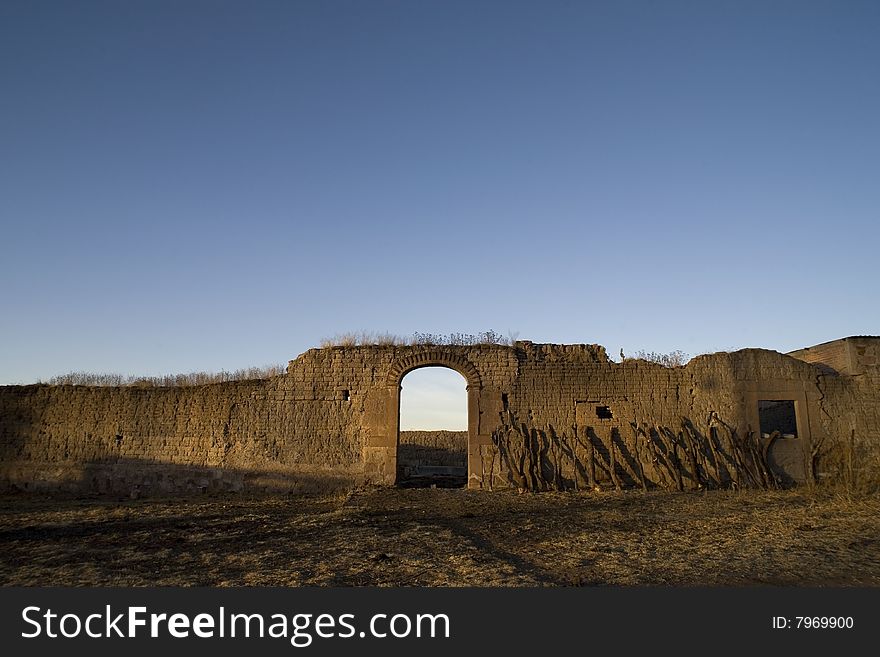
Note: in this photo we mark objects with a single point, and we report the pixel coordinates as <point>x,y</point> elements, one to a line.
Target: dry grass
<point>363,338</point>
<point>848,467</point>
<point>167,380</point>
<point>436,537</point>
<point>675,358</point>
<point>368,338</point>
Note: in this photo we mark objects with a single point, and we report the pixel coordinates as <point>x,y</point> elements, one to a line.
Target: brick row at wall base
<point>135,480</point>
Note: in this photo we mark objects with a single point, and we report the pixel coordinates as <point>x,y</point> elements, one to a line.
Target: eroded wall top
<point>850,356</point>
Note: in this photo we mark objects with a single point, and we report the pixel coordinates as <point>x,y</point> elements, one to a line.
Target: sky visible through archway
<point>433,398</point>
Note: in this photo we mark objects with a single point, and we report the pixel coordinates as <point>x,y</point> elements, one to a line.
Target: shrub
<point>672,359</point>
<point>167,380</point>
<point>365,338</point>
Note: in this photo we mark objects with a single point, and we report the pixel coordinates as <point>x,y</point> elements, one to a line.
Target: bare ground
<point>442,537</point>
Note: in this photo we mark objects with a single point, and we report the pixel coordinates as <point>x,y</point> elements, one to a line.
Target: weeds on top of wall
<point>167,380</point>
<point>675,358</point>
<point>363,339</point>
<point>367,338</point>
<point>462,339</point>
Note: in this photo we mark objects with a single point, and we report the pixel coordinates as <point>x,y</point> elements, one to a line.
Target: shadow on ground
<point>437,537</point>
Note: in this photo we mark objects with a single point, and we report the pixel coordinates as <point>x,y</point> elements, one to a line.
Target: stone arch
<point>403,366</point>
<point>380,448</point>
<point>400,367</point>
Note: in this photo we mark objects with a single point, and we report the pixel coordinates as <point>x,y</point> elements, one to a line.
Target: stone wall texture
<point>431,452</point>
<point>540,416</point>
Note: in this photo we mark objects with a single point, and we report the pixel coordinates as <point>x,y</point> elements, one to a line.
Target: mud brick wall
<point>431,448</point>
<point>446,441</point>
<point>637,423</point>
<point>849,411</point>
<point>833,355</point>
<point>539,416</point>
<point>131,440</point>
<point>848,356</point>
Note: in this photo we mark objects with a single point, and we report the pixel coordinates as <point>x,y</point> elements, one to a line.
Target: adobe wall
<point>849,405</point>
<point>670,427</point>
<point>533,422</point>
<point>848,356</point>
<point>132,440</point>
<point>431,453</point>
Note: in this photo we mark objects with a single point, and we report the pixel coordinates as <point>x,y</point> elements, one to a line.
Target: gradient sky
<point>213,185</point>
<point>433,398</point>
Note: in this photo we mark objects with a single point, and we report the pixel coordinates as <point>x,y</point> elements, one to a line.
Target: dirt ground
<point>445,537</point>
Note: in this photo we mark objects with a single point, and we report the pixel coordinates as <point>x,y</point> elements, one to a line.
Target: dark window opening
<point>118,439</point>
<point>504,400</point>
<point>777,415</point>
<point>345,395</point>
<point>603,413</point>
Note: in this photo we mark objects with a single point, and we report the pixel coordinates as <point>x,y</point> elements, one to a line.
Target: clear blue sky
<point>213,185</point>
<point>433,398</point>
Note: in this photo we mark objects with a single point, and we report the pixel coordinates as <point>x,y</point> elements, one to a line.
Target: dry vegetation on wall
<point>675,358</point>
<point>167,380</point>
<point>363,338</point>
<point>367,338</point>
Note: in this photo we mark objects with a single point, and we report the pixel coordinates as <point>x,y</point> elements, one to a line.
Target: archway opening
<point>432,444</point>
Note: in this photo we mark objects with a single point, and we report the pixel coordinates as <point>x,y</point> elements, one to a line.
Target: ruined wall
<point>539,417</point>
<point>639,424</point>
<point>438,438</point>
<point>133,440</point>
<point>849,356</point>
<point>834,356</point>
<point>588,424</point>
<point>850,413</point>
<point>426,453</point>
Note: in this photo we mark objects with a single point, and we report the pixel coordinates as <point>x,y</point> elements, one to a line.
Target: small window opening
<point>603,413</point>
<point>346,396</point>
<point>504,400</point>
<point>118,439</point>
<point>777,415</point>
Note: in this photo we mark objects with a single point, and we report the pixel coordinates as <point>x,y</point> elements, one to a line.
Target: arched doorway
<point>387,463</point>
<point>381,421</point>
<point>432,444</point>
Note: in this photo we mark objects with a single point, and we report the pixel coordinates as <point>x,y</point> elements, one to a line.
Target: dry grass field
<point>445,537</point>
